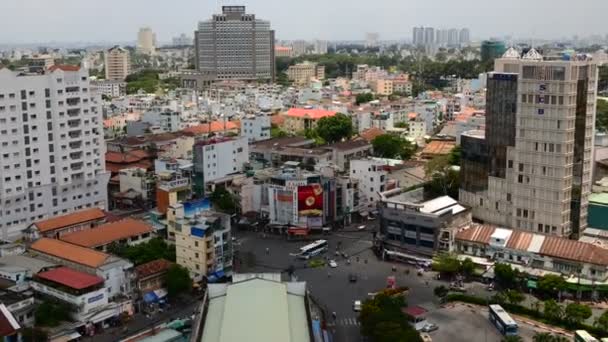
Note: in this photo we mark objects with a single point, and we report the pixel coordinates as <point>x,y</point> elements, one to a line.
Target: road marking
<point>348,321</point>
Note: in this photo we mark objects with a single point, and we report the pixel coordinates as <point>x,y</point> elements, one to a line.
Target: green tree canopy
<point>514,296</point>
<point>505,275</point>
<point>335,128</point>
<point>364,98</point>
<point>454,156</point>
<point>447,264</point>
<point>34,334</point>
<point>51,313</point>
<point>512,338</point>
<point>577,313</point>
<point>153,249</point>
<point>547,337</point>
<point>392,146</point>
<point>601,116</point>
<point>383,321</point>
<point>178,280</point>
<point>550,285</point>
<point>467,267</point>
<point>224,200</point>
<point>602,321</point>
<point>552,310</point>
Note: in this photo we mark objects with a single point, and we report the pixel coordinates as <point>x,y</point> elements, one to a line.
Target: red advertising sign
<point>310,200</point>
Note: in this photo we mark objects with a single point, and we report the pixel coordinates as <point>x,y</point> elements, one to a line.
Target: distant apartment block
<point>146,41</point>
<point>303,73</point>
<point>110,88</point>
<point>117,63</point>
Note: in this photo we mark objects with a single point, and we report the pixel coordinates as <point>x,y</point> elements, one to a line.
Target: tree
<point>550,285</point>
<point>153,249</point>
<point>223,200</point>
<point>602,321</point>
<point>547,337</point>
<point>34,335</point>
<point>512,338</point>
<point>467,267</point>
<point>552,310</point>
<point>402,124</point>
<point>440,291</point>
<point>446,264</point>
<point>392,146</point>
<point>576,313</point>
<point>51,313</point>
<point>364,98</point>
<point>601,116</point>
<point>335,128</point>
<point>514,297</point>
<point>505,275</point>
<point>454,156</point>
<point>443,178</point>
<point>276,132</point>
<point>383,321</point>
<point>178,280</point>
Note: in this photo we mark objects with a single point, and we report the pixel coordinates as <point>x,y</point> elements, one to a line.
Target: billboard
<point>195,206</point>
<point>310,200</point>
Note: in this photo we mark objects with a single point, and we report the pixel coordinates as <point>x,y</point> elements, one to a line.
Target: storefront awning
<point>150,297</point>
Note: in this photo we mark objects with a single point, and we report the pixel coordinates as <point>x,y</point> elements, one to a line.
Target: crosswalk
<point>349,321</point>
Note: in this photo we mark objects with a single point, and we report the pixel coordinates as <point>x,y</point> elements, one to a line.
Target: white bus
<point>313,249</point>
<point>501,319</point>
<point>583,336</point>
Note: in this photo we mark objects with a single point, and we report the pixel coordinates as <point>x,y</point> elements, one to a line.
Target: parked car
<point>357,306</point>
<point>361,227</point>
<point>352,278</point>
<point>426,337</point>
<point>333,264</point>
<point>429,327</point>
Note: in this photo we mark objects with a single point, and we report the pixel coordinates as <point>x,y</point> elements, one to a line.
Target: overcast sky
<point>30,21</point>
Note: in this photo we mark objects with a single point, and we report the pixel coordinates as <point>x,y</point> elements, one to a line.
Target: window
<point>521,167</point>
<point>510,164</point>
<point>509,197</point>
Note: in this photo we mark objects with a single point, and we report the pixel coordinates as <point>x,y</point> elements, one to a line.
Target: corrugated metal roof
<point>520,240</point>
<point>536,243</point>
<point>574,250</point>
<point>479,234</point>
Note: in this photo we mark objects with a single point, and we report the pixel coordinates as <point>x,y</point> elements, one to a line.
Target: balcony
<point>74,123</point>
<point>74,101</point>
<point>73,112</point>
<point>76,166</point>
<point>75,134</point>
<point>75,156</point>
<point>75,144</point>
<point>175,185</point>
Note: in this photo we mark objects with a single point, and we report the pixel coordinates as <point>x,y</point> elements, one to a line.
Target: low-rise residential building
<point>373,177</point>
<point>116,271</point>
<point>383,87</point>
<point>216,158</point>
<point>276,152</point>
<point>283,51</point>
<point>57,226</point>
<point>287,312</point>
<point>436,148</point>
<point>83,291</point>
<point>171,188</point>
<point>203,243</point>
<point>128,232</point>
<point>256,127</point>
<point>301,119</point>
<point>162,121</point>
<point>535,254</point>
<point>409,224</point>
<point>152,275</point>
<point>20,305</point>
<point>139,180</point>
<point>344,152</point>
<point>110,88</point>
<point>303,73</point>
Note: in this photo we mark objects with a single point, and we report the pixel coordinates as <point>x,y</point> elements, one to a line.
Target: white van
<point>357,306</point>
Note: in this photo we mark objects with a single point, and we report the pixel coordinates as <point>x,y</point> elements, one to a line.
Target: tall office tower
<point>537,150</point>
<point>235,45</point>
<point>146,41</point>
<point>320,47</point>
<point>418,36</point>
<point>53,150</point>
<point>453,37</point>
<point>464,37</point>
<point>371,39</point>
<point>442,37</point>
<point>117,63</point>
<point>299,47</point>
<point>429,36</point>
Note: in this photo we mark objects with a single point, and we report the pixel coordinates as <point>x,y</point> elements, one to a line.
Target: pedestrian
<point>328,275</point>
<point>334,315</point>
<point>267,250</point>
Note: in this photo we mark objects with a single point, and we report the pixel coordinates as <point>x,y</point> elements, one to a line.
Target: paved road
<point>335,292</point>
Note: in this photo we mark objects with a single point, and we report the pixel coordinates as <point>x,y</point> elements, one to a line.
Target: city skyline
<point>340,20</point>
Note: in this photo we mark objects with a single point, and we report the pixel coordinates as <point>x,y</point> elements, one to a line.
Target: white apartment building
<point>540,117</point>
<point>320,47</point>
<point>373,179</point>
<point>163,121</point>
<point>216,158</point>
<point>138,180</point>
<point>52,149</point>
<point>256,127</point>
<point>303,73</point>
<point>110,88</point>
<point>146,41</point>
<point>117,63</point>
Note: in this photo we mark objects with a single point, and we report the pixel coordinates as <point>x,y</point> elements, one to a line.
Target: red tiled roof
<point>520,240</point>
<point>414,311</point>
<point>310,113</point>
<point>153,267</point>
<point>371,133</point>
<point>64,67</point>
<point>216,126</point>
<point>128,157</point>
<point>71,278</point>
<point>69,252</point>
<point>68,220</point>
<point>108,233</point>
<point>438,147</point>
<point>477,233</point>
